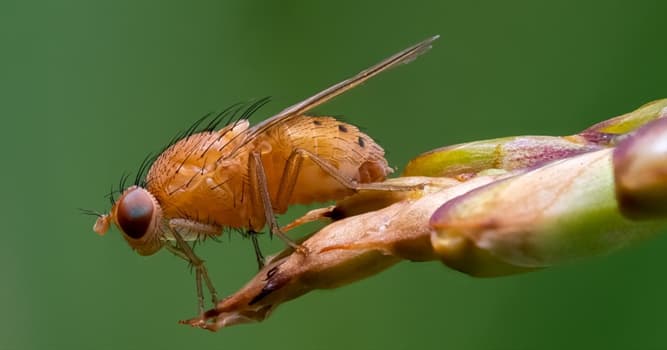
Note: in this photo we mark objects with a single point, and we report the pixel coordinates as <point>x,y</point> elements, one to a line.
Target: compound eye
<point>135,212</point>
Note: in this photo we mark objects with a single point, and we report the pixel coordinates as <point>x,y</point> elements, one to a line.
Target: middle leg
<point>261,198</point>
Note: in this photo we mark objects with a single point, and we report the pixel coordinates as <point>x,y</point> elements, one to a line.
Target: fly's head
<point>138,216</point>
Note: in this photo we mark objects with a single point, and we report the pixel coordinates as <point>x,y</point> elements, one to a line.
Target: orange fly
<point>241,176</point>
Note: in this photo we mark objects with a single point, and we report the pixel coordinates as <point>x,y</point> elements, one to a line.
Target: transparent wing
<point>403,57</point>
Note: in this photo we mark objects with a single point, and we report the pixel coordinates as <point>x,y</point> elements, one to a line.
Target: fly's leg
<point>260,196</point>
<point>183,250</point>
<point>293,167</point>
<point>174,249</point>
<point>313,215</point>
<point>258,250</point>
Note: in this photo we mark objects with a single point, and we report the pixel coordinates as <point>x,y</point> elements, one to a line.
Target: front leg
<point>183,250</point>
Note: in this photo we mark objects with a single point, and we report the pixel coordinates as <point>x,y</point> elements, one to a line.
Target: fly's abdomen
<point>354,154</point>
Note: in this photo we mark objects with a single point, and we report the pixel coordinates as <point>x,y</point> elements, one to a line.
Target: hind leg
<point>293,167</point>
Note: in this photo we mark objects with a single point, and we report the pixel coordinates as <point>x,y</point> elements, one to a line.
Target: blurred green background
<point>88,88</point>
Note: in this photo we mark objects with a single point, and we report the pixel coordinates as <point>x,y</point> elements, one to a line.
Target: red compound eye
<point>135,212</point>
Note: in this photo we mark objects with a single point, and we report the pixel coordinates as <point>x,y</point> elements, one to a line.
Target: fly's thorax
<point>138,216</point>
<point>196,180</point>
<point>199,153</point>
<point>354,154</point>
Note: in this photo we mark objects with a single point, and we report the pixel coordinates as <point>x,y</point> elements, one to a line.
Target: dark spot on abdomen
<point>317,122</point>
<point>342,128</point>
<point>361,142</point>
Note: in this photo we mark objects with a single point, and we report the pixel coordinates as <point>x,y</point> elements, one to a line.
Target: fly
<point>242,176</point>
